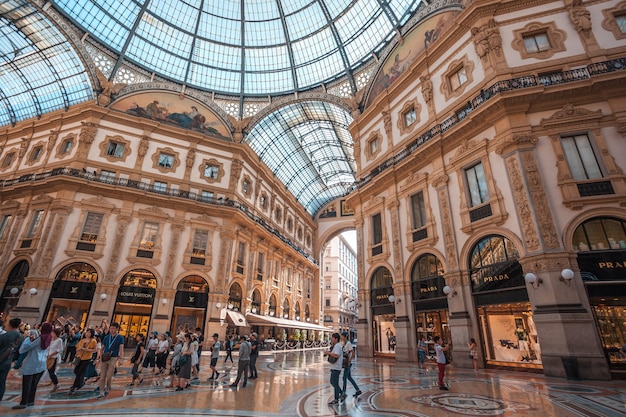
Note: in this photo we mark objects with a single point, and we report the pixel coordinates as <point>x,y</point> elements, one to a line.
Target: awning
<point>236,319</point>
<point>257,320</point>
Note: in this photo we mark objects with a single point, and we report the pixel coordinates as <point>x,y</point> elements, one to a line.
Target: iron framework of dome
<point>243,47</point>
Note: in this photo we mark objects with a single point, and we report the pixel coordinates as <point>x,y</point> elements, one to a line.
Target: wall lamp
<point>533,280</point>
<point>392,299</point>
<point>447,290</point>
<point>218,305</point>
<point>14,291</point>
<point>103,297</point>
<point>567,275</point>
<point>163,301</point>
<point>33,291</point>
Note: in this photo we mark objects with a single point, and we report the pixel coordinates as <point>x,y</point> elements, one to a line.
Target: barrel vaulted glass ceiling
<point>243,47</point>
<point>313,138</point>
<point>39,70</point>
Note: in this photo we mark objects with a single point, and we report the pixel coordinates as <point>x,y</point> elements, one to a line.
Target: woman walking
<point>137,358</point>
<point>36,349</point>
<point>334,357</point>
<point>84,350</point>
<point>54,353</point>
<point>163,349</point>
<point>473,353</point>
<point>184,362</point>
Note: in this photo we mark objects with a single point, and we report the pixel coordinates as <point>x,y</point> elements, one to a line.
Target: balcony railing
<point>148,188</point>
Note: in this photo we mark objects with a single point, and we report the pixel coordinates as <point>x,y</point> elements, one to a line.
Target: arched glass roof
<point>309,148</point>
<point>39,70</point>
<point>243,47</point>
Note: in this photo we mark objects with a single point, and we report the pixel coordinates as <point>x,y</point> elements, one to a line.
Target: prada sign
<point>428,288</point>
<point>380,296</point>
<point>500,276</point>
<point>603,266</point>
<point>136,295</point>
<point>191,299</point>
<point>73,290</point>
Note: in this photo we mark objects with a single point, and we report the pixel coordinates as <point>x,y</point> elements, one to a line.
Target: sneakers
<point>54,388</point>
<point>179,388</point>
<point>443,388</point>
<point>343,396</point>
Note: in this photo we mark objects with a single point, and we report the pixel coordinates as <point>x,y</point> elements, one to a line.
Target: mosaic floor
<point>296,384</point>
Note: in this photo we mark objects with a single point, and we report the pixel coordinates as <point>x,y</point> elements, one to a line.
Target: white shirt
<point>338,350</point>
<point>441,357</point>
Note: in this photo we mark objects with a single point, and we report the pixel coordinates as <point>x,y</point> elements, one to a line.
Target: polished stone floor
<point>297,384</point>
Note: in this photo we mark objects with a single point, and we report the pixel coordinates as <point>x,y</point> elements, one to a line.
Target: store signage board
<point>73,290</point>
<point>136,295</point>
<point>602,265</point>
<point>500,276</point>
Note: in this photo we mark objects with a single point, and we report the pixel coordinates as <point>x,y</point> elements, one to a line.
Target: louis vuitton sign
<point>191,299</point>
<point>136,295</point>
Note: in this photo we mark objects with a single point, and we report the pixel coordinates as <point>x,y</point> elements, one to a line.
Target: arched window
<point>286,309</point>
<point>426,266</point>
<point>139,278</point>
<point>493,264</point>
<point>14,280</point>
<point>193,283</point>
<point>234,297</point>
<point>273,304</point>
<point>381,278</point>
<point>298,311</point>
<point>600,233</point>
<point>382,287</point>
<point>78,271</point>
<point>256,302</point>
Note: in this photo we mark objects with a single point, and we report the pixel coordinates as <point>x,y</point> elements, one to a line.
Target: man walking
<point>254,355</point>
<point>111,355</point>
<point>348,355</point>
<point>441,361</point>
<point>10,341</point>
<point>244,362</point>
<point>215,354</point>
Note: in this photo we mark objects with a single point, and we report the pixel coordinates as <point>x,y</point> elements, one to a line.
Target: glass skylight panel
<point>317,71</point>
<point>305,22</point>
<point>267,59</point>
<point>313,47</point>
<point>162,61</point>
<point>171,40</point>
<point>214,79</point>
<point>230,9</point>
<point>219,29</point>
<point>255,10</point>
<point>292,6</point>
<point>262,82</point>
<point>336,7</point>
<point>362,44</point>
<point>218,55</point>
<point>265,33</point>
<point>176,13</point>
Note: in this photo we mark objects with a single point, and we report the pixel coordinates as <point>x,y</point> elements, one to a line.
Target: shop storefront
<point>190,303</point>
<point>430,304</point>
<point>508,332</point>
<point>71,295</point>
<point>133,307</point>
<point>383,313</point>
<point>601,245</point>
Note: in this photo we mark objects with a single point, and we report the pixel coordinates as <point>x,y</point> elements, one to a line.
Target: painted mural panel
<point>416,42</point>
<point>171,109</point>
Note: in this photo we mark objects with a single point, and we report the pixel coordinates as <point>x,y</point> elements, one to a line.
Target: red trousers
<point>442,371</point>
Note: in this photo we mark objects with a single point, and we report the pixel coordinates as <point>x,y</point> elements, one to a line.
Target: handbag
<point>106,356</point>
<point>332,359</point>
<point>183,360</point>
<point>50,362</point>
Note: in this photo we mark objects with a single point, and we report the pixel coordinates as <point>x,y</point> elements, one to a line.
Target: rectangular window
<point>621,22</point>
<point>409,117</point>
<point>36,153</point>
<point>91,227</point>
<point>246,187</point>
<point>377,229</point>
<point>115,149</point>
<point>537,42</point>
<point>581,158</point>
<point>418,210</point>
<point>260,266</point>
<point>211,171</point>
<point>5,224</point>
<point>8,160</point>
<point>165,160</point>
<point>34,224</point>
<point>107,176</point>
<point>373,146</point>
<point>67,145</point>
<point>477,184</point>
<point>206,196</point>
<point>276,272</point>
<point>159,187</point>
<point>149,236</point>
<point>458,78</point>
<point>328,302</point>
<point>241,257</point>
<point>200,243</point>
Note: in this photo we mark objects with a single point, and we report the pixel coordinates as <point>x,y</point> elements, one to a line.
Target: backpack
<point>10,351</point>
<point>346,360</point>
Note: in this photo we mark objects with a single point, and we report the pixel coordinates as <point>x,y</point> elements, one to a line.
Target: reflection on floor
<point>297,384</point>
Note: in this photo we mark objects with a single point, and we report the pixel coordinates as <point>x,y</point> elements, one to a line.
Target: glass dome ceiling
<point>243,47</point>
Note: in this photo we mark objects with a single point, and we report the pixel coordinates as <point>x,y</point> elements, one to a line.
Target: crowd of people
<point>98,351</point>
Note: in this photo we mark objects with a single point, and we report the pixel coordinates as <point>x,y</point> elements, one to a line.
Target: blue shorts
<point>421,356</point>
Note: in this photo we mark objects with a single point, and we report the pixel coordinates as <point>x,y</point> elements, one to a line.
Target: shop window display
<point>610,317</point>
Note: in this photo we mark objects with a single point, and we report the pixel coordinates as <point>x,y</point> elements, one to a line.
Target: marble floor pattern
<point>297,384</point>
